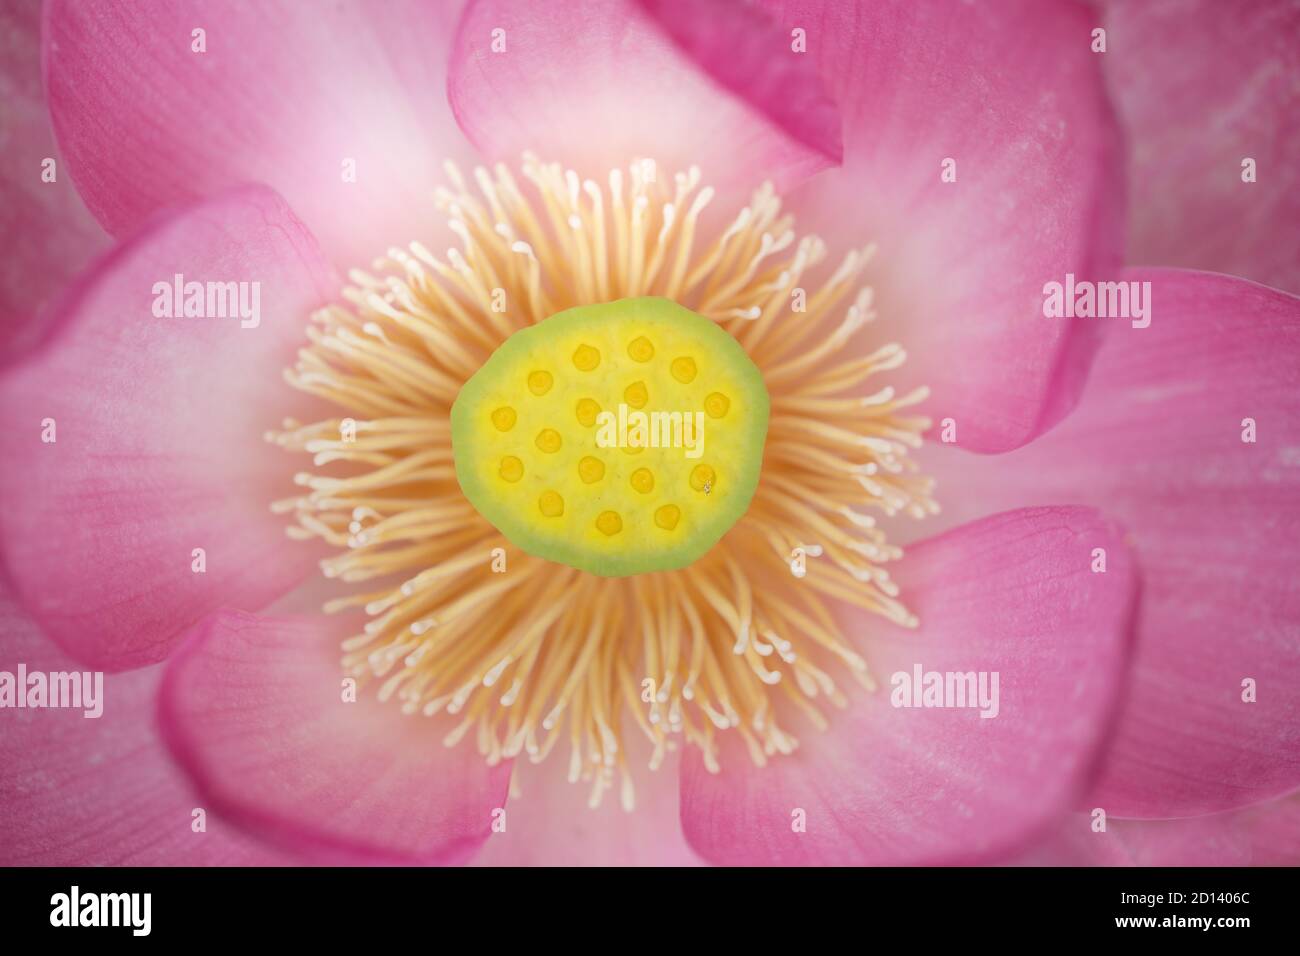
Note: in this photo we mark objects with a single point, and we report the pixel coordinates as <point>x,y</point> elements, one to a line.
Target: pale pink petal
<point>550,824</point>
<point>102,791</point>
<point>1157,442</point>
<point>1014,595</point>
<point>1202,86</point>
<point>1011,93</point>
<point>595,84</point>
<point>286,93</point>
<point>255,710</point>
<point>48,233</point>
<point>1267,834</point>
<point>158,427</point>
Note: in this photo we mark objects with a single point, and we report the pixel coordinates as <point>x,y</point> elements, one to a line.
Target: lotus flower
<point>870,200</point>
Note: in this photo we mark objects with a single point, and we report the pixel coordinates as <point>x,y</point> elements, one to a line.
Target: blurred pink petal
<point>254,710</point>
<point>1011,93</point>
<point>595,84</point>
<point>159,425</point>
<point>1012,594</point>
<point>550,824</point>
<point>1267,834</point>
<point>48,231</point>
<point>286,94</point>
<point>80,791</point>
<point>1215,522</point>
<point>1201,86</point>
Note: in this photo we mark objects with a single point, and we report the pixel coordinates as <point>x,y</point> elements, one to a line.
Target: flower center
<point>534,567</point>
<point>617,439</point>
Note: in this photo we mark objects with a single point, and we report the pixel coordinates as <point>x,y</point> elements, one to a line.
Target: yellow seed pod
<point>596,438</point>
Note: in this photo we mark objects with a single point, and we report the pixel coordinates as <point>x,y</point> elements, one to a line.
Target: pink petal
<point>49,233</point>
<point>1267,834</point>
<point>1012,94</point>
<point>1157,443</point>
<point>1201,86</point>
<point>80,791</point>
<point>549,823</point>
<point>159,425</point>
<point>597,83</point>
<point>1012,594</point>
<point>284,94</point>
<point>254,710</point>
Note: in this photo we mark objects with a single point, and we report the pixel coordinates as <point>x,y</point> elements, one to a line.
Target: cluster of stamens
<point>525,654</point>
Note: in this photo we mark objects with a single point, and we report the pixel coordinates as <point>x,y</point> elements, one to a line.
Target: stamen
<point>529,654</point>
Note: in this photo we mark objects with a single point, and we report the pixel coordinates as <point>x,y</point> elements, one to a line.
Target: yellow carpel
<point>617,418</point>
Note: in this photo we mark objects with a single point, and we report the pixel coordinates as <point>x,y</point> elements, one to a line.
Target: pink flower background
<point>1121,691</point>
